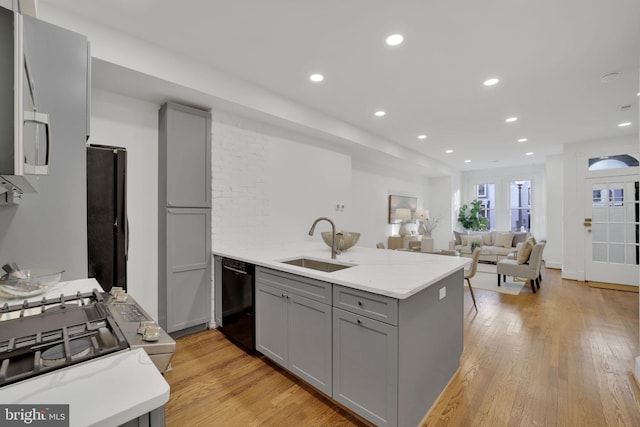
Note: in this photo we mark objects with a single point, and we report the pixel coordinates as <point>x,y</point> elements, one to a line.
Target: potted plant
<point>469,217</point>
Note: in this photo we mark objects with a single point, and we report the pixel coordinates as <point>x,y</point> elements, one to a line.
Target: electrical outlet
<point>443,292</point>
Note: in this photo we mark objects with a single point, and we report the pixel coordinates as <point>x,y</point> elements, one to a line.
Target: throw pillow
<point>524,252</point>
<point>503,240</point>
<point>467,239</point>
<point>486,238</point>
<point>519,237</point>
<point>532,240</point>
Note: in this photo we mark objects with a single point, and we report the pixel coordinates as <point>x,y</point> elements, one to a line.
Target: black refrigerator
<point>107,224</point>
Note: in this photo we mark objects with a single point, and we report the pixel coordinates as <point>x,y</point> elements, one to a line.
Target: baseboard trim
<point>613,287</point>
<point>554,265</point>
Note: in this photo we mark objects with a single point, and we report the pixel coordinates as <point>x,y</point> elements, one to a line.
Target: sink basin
<point>316,264</point>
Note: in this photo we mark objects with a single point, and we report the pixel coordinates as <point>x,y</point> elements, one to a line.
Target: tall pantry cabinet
<point>184,218</point>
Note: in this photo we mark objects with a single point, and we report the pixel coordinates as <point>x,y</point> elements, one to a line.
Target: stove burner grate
<point>57,355</point>
<point>35,339</point>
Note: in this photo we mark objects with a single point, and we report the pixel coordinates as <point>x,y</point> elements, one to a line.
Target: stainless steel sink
<point>316,264</point>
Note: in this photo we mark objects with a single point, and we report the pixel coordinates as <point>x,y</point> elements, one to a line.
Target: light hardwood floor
<point>561,357</point>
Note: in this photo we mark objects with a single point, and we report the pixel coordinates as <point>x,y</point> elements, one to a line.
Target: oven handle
<point>234,269</point>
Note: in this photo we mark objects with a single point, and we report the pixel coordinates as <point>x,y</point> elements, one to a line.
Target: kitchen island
<point>111,390</point>
<point>382,337</point>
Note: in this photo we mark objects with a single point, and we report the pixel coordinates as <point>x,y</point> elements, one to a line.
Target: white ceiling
<point>550,56</point>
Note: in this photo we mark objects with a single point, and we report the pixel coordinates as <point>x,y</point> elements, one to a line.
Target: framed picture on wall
<point>398,206</point>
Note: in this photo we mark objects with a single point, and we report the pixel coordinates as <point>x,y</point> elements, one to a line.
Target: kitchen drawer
<point>367,304</point>
<point>303,286</point>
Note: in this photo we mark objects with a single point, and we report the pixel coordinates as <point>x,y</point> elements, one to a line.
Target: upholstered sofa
<point>496,242</point>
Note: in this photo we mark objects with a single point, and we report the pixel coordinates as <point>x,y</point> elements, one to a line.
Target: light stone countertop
<point>397,274</point>
<point>106,391</point>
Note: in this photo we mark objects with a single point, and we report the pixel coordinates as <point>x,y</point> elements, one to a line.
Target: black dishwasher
<point>238,302</point>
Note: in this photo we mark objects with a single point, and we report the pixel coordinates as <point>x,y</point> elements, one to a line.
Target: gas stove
<point>39,336</point>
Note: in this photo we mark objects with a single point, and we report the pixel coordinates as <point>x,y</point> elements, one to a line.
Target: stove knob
<point>144,325</point>
<point>151,333</point>
<point>121,297</point>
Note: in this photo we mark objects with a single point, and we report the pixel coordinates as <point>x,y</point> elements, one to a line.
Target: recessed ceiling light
<point>467,161</point>
<point>316,77</point>
<point>530,153</point>
<point>621,125</point>
<point>423,136</point>
<point>394,39</point>
<point>379,113</point>
<point>511,119</point>
<point>523,140</point>
<point>638,93</point>
<point>449,151</point>
<point>491,82</point>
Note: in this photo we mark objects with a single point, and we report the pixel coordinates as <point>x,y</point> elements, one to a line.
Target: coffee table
<point>493,255</point>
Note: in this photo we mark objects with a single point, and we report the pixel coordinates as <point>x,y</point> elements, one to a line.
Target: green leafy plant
<point>475,244</point>
<point>469,216</point>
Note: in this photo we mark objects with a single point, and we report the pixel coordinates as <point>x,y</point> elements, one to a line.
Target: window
<point>520,205</point>
<point>486,193</point>
<point>612,162</point>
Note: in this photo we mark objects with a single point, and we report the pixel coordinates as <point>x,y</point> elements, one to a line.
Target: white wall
<point>443,203</point>
<point>371,193</point>
<point>133,124</point>
<point>553,251</point>
<point>267,187</point>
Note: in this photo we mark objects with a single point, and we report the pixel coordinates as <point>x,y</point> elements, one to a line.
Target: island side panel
<point>430,346</point>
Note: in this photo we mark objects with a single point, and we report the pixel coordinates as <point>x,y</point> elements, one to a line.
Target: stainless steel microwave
<point>25,131</point>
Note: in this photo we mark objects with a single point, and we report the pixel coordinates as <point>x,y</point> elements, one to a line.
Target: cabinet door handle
<point>359,322</point>
<point>359,303</point>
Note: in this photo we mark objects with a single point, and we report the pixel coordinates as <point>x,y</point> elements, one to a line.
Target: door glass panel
<point>599,213</point>
<point>630,209</point>
<point>632,254</point>
<point>616,213</point>
<point>599,232</point>
<point>616,233</point>
<point>616,254</point>
<point>599,252</point>
<point>614,228</point>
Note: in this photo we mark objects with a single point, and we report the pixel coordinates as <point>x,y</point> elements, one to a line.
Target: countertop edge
<point>399,293</point>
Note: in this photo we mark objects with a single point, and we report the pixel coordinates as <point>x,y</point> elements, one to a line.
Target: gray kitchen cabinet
<point>184,223</point>
<point>37,226</point>
<point>365,366</point>
<point>385,359</point>
<point>365,355</point>
<point>188,272</point>
<point>185,138</point>
<point>392,358</point>
<point>293,325</point>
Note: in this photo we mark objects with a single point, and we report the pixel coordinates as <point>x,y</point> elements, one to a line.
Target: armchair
<point>530,270</point>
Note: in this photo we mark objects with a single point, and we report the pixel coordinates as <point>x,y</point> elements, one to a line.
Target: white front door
<point>612,249</point>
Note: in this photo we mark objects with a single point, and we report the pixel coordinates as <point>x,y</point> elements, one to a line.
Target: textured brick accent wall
<point>239,206</point>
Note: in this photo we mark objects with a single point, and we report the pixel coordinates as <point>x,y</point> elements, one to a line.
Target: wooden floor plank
<point>560,357</point>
